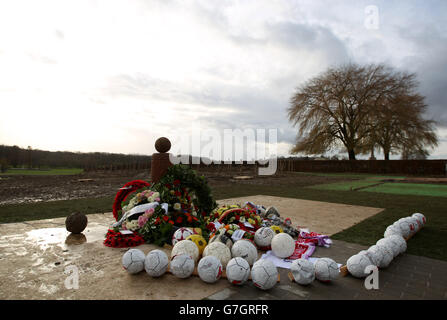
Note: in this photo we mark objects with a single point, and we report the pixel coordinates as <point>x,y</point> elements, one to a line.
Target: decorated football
<point>209,269</point>
<point>421,218</point>
<point>303,271</point>
<point>264,236</point>
<point>219,250</point>
<point>326,269</point>
<point>392,230</point>
<point>375,254</point>
<point>181,234</point>
<point>398,242</point>
<point>185,247</point>
<point>283,245</point>
<point>238,271</point>
<point>156,263</point>
<point>182,266</point>
<point>246,250</point>
<point>264,274</point>
<point>133,261</point>
<point>357,265</point>
<point>403,226</point>
<point>199,241</point>
<point>392,245</point>
<point>387,256</point>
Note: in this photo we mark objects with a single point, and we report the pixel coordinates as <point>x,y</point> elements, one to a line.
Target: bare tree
<point>358,107</point>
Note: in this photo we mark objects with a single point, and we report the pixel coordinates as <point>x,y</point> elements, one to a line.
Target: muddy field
<point>29,189</point>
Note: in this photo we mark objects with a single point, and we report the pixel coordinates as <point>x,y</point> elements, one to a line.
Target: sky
<point>113,76</point>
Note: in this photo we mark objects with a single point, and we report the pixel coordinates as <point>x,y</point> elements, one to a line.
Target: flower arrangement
<point>180,199</point>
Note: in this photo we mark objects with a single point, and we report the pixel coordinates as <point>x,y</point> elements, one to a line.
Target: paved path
<point>407,277</point>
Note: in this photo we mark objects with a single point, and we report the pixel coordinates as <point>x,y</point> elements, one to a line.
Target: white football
<point>156,263</point>
<point>375,254</point>
<point>264,236</point>
<point>303,271</point>
<point>238,271</point>
<point>414,225</point>
<point>181,234</point>
<point>392,246</point>
<point>387,256</point>
<point>403,226</point>
<point>182,266</point>
<point>264,274</point>
<point>283,245</point>
<point>245,249</point>
<point>185,247</point>
<point>133,261</point>
<point>399,242</point>
<point>357,265</point>
<point>209,269</point>
<point>219,250</point>
<point>421,218</point>
<point>326,269</point>
<point>392,230</point>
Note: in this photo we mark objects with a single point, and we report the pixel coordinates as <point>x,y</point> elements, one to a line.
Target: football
<point>219,250</point>
<point>403,226</point>
<point>392,230</point>
<point>375,254</point>
<point>209,269</point>
<point>156,263</point>
<point>283,245</point>
<point>182,266</point>
<point>387,256</point>
<point>238,271</point>
<point>133,261</point>
<point>303,271</point>
<point>414,225</point>
<point>264,236</point>
<point>222,238</point>
<point>357,265</point>
<point>398,242</point>
<point>181,234</point>
<point>246,250</point>
<point>272,211</point>
<point>264,274</point>
<point>199,241</point>
<point>420,217</point>
<point>185,247</point>
<point>326,269</point>
<point>392,246</point>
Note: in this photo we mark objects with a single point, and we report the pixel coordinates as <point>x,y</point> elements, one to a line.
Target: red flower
<point>176,182</point>
<point>216,215</point>
<point>237,217</point>
<point>178,193</point>
<point>247,215</point>
<point>179,220</point>
<point>195,219</point>
<point>171,222</point>
<point>165,218</point>
<point>203,213</point>
<point>189,219</point>
<point>167,185</point>
<point>157,221</point>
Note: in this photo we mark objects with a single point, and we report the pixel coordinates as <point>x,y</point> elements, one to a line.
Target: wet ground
<point>28,189</point>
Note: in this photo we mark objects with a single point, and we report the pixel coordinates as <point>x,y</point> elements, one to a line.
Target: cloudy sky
<point>114,75</point>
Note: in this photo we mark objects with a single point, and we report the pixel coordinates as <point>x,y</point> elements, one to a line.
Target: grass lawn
<point>345,186</point>
<point>430,242</point>
<point>417,189</point>
<point>43,172</point>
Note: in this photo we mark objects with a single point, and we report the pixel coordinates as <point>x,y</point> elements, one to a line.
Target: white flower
<point>177,206</point>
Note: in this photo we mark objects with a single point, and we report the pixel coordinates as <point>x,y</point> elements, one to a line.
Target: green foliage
<point>4,165</point>
<point>193,182</point>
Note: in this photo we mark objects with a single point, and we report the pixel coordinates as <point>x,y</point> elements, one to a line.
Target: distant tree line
<point>16,157</point>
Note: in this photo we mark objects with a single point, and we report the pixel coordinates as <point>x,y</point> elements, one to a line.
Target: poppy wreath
<point>123,193</point>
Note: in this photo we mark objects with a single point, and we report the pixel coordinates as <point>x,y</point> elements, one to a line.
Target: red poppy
<point>176,182</point>
<point>178,193</point>
<point>179,220</point>
<point>165,218</point>
<point>171,222</point>
<point>157,221</point>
